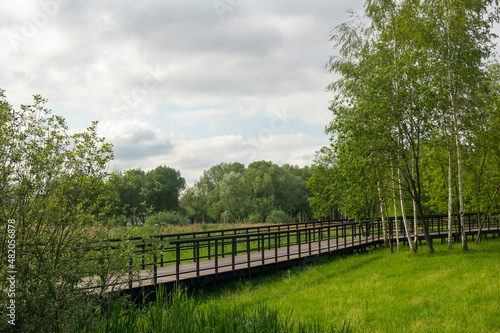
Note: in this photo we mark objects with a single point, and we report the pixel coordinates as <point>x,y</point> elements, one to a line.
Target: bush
<point>255,218</point>
<point>279,216</point>
<point>51,184</point>
<point>228,217</point>
<point>165,218</point>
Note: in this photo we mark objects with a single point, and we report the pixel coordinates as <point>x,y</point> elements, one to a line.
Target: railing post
<point>216,257</point>
<point>329,238</point>
<point>155,270</point>
<point>337,235</point>
<point>248,252</point>
<point>161,248</point>
<point>233,254</point>
<point>309,240</point>
<point>359,233</point>
<point>439,225</point>
<point>269,241</point>
<point>353,225</point>
<point>177,262</point>
<point>262,250</point>
<point>299,243</point>
<point>276,248</point>
<point>130,273</point>
<point>223,250</point>
<point>288,244</point>
<point>367,232</point>
<point>142,254</point>
<point>320,236</point>
<point>209,250</point>
<point>196,244</point>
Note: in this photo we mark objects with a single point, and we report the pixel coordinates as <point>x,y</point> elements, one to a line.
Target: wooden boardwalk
<point>243,265</point>
<point>263,251</point>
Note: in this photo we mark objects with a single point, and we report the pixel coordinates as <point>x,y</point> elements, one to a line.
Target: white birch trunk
<point>415,236</point>
<point>384,224</point>
<point>403,211</point>
<point>459,154</point>
<point>450,196</point>
<point>396,222</point>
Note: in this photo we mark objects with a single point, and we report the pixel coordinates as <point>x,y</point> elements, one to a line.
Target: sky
<point>187,84</point>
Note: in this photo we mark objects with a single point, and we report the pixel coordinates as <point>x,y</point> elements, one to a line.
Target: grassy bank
<point>182,313</point>
<point>376,291</point>
<point>450,291</point>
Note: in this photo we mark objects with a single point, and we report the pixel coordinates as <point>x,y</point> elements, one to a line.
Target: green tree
<point>390,106</point>
<point>164,185</point>
<point>134,191</point>
<point>194,203</point>
<point>459,36</point>
<point>50,179</point>
<point>207,187</point>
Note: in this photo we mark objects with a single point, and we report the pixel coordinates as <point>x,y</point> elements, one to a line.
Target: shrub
<point>279,216</point>
<point>165,218</point>
<point>255,218</point>
<point>51,183</point>
<point>228,217</point>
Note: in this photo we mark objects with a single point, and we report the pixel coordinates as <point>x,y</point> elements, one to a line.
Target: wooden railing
<point>173,257</point>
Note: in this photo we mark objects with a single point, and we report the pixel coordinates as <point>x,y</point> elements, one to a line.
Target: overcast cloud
<point>187,84</point>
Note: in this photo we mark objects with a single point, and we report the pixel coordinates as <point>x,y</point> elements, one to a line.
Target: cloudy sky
<point>187,84</point>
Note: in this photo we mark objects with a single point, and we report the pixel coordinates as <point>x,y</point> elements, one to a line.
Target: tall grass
<point>181,313</point>
<point>450,291</point>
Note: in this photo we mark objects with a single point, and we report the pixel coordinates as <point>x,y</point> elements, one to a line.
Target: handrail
<point>277,225</point>
<point>201,239</point>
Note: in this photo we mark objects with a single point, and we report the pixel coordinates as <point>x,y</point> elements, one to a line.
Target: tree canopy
<point>415,104</point>
<point>229,192</point>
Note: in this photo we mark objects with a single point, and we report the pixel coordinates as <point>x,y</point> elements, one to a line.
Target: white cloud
<point>171,83</point>
<point>194,156</point>
<point>210,116</point>
<point>134,140</point>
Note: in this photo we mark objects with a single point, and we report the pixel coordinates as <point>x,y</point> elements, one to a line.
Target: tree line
<point>263,191</point>
<point>416,118</point>
<point>225,193</point>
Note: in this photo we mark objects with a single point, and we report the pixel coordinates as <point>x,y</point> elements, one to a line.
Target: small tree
<point>49,185</point>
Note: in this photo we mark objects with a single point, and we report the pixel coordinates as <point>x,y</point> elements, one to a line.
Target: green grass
<point>450,291</point>
<point>181,313</point>
<point>376,291</point>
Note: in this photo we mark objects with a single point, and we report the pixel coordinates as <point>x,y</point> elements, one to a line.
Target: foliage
<point>279,216</point>
<point>183,314</point>
<point>165,218</point>
<point>232,193</point>
<point>164,185</point>
<point>415,104</point>
<point>50,185</point>
<point>141,193</point>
